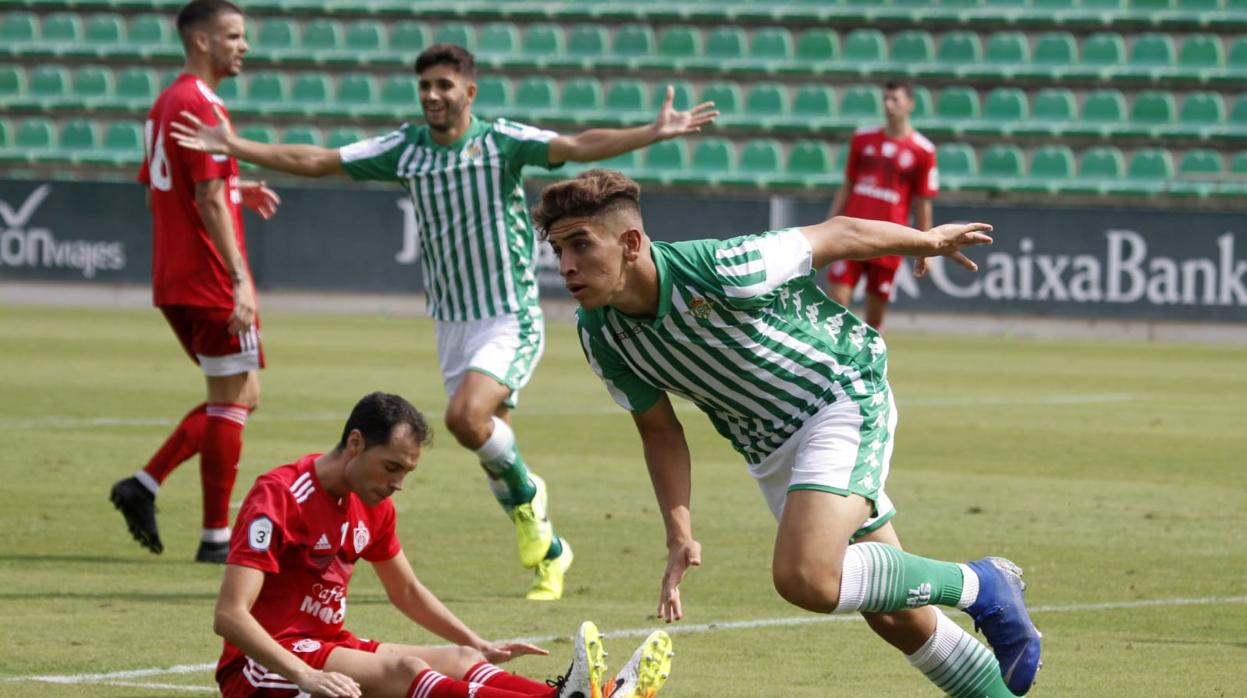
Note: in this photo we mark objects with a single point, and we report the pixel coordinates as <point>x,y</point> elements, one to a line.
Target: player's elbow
<point>224,622</point>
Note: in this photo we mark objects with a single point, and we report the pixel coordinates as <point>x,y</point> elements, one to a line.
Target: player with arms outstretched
<point>200,279</point>
<point>300,533</point>
<point>799,387</point>
<point>465,177</point>
<point>891,169</point>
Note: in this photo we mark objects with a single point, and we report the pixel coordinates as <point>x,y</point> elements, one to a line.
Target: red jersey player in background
<point>200,279</point>
<point>298,536</point>
<point>889,168</point>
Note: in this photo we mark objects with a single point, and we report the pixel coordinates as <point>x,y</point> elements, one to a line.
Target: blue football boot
<point>1000,612</point>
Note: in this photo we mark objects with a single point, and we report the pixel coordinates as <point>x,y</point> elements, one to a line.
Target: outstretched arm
<point>304,160</point>
<point>602,143</point>
<point>419,604</point>
<point>234,622</point>
<point>670,466</point>
<point>857,238</point>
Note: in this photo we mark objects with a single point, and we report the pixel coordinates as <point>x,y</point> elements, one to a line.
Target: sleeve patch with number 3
<point>260,533</point>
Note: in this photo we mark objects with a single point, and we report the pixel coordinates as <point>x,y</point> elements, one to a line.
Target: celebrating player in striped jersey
<point>799,386</point>
<point>282,605</point>
<point>200,280</point>
<point>478,250</point>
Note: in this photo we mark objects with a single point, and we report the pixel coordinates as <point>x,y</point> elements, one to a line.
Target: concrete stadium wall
<point>1047,261</point>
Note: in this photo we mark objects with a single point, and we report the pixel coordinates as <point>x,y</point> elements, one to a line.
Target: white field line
<point>119,678</point>
<point>680,405</point>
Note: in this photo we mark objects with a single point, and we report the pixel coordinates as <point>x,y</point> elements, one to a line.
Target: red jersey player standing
<point>282,603</point>
<point>888,168</point>
<point>200,279</point>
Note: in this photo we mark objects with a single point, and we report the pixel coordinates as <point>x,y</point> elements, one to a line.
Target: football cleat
<point>548,577</point>
<point>138,505</point>
<point>584,677</point>
<point>212,552</point>
<point>533,532</point>
<point>1000,612</point>
<point>644,675</point>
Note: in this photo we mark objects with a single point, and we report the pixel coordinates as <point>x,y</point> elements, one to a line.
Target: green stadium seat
<point>301,135</point>
<point>726,96</point>
<point>321,35</point>
<point>712,159</point>
<point>626,96</point>
<point>1000,166</point>
<point>818,45</point>
<point>1152,107</point>
<point>310,88</point>
<point>1005,104</point>
<point>813,108</point>
<point>275,34</point>
<point>339,137</point>
<point>1055,49</point>
<point>457,33</point>
<point>18,27</point>
<point>1007,48</point>
<point>1200,162</point>
<point>1150,5</point>
<point>259,133</point>
<point>957,104</point>
<point>913,46</point>
<point>4,137</point>
<point>683,98</point>
<point>78,135</point>
<point>765,105</point>
<point>1201,51</point>
<point>923,108</point>
<point>586,40</point>
<point>864,46</point>
<point>230,90</point>
<point>1104,49</point>
<point>761,161</point>
<point>624,161</point>
<point>48,83</point>
<point>1151,164</point>
<point>265,90</point>
<point>1099,172</point>
<point>535,96</point>
<point>124,140</point>
<point>634,41</point>
<point>1238,163</point>
<point>409,38</point>
<point>61,28</point>
<point>493,93</point>
<point>1152,51</point>
<point>1202,109</point>
<point>1052,109</point>
<point>356,90</point>
<point>1238,54</point>
<point>32,139</point>
<point>399,92</point>
<point>1102,112</point>
<point>150,29</point>
<point>103,29</point>
<point>679,42</point>
<point>860,103</point>
<point>581,99</point>
<point>365,35</point>
<point>500,38</point>
<point>12,81</point>
<point>1051,166</point>
<point>1199,5</point>
<point>960,48</point>
<point>1106,5</point>
<point>543,40</point>
<point>809,165</point>
<point>724,43</point>
<point>661,161</point>
<point>1238,113</point>
<point>92,84</point>
<point>956,163</point>
<point>772,44</point>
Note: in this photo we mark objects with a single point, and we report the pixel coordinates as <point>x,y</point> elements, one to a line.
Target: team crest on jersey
<point>700,308</point>
<point>473,151</point>
<point>361,537</point>
<point>905,160</point>
<point>304,646</point>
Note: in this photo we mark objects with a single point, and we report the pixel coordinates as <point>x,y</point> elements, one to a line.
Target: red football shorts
<point>204,334</point>
<point>247,679</point>
<point>880,271</point>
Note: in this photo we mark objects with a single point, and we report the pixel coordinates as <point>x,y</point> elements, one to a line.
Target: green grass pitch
<point>1114,473</point>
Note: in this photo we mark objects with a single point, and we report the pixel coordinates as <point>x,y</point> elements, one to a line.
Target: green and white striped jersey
<point>477,244</point>
<point>744,332</point>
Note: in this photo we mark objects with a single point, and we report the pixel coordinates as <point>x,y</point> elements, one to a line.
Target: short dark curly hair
<point>447,54</point>
<point>376,416</point>
<point>592,193</point>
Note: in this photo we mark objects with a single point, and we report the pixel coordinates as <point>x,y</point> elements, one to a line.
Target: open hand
<point>671,123</point>
<point>259,198</point>
<point>951,238</point>
<point>680,557</point>
<point>330,684</point>
<point>499,652</point>
<point>196,135</point>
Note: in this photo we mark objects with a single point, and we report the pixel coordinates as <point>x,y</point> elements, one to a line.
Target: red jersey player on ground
<point>888,167</point>
<point>298,536</point>
<point>200,279</point>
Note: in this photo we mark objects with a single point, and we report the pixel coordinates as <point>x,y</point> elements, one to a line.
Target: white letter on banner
<point>1232,290</point>
<point>1119,263</point>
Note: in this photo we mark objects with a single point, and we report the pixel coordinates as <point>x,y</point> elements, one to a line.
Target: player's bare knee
<point>468,426</point>
<point>807,588</point>
<point>467,657</point>
<point>407,667</point>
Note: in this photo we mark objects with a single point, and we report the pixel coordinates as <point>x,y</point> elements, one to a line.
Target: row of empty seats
<point>717,161</point>
<point>917,53</point>
<point>810,108</point>
<point>1225,14</point>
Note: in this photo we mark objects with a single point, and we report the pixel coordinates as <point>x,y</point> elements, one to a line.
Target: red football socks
<point>430,684</point>
<point>489,675</point>
<point>184,442</point>
<point>218,460</point>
